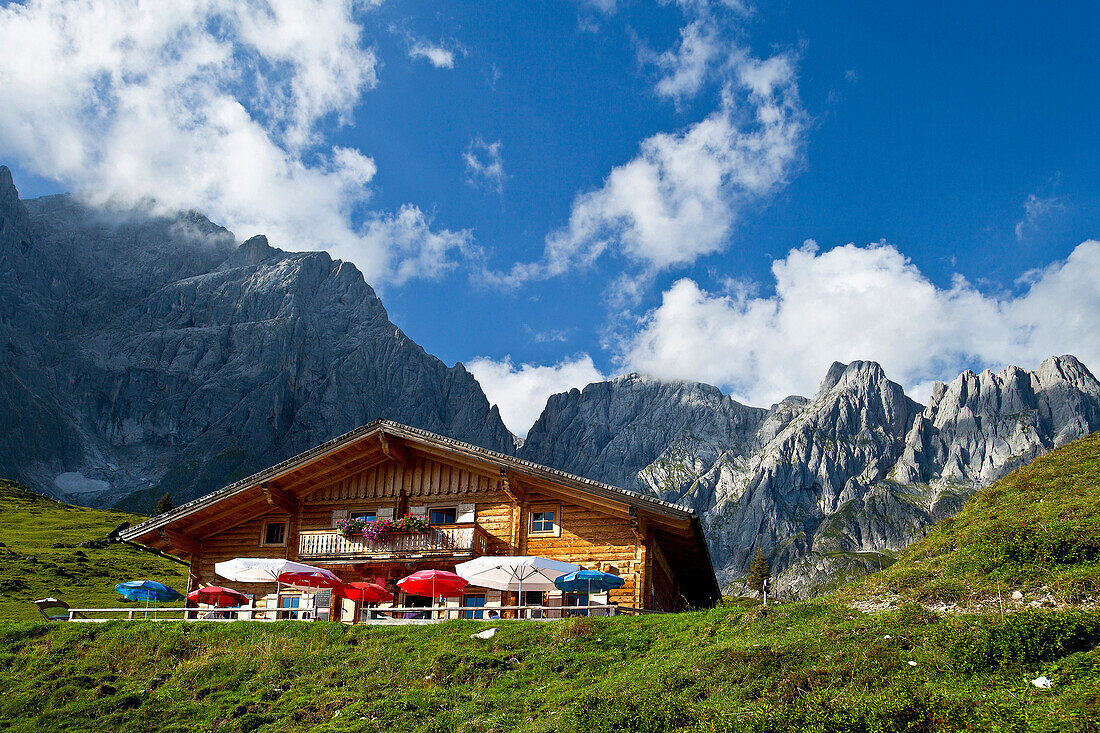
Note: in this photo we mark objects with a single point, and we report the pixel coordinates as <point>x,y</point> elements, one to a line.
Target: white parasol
<point>514,572</point>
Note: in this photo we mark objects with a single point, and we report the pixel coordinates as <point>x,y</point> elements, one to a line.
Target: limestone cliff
<point>826,488</point>
<point>145,353</point>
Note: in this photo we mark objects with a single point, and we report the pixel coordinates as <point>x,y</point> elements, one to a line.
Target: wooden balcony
<point>440,541</point>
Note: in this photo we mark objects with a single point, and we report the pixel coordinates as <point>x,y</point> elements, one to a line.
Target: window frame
<point>362,512</point>
<point>555,531</point>
<point>285,521</point>
<point>441,508</point>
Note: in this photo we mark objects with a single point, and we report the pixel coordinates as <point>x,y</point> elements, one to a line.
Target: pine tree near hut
<point>759,571</point>
<point>164,504</point>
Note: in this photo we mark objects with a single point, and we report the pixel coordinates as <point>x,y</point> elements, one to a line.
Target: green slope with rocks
<point>52,549</point>
<point>1030,540</point>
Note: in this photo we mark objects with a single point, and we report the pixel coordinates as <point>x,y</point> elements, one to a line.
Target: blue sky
<point>446,149</point>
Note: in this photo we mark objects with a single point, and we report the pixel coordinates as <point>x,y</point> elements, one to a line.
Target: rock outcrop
<point>826,488</point>
<point>145,353</point>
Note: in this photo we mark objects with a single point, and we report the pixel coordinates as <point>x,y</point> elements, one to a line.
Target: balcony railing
<point>439,541</point>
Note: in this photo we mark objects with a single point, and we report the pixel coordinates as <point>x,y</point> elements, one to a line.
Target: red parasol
<point>318,579</point>
<point>215,595</point>
<point>365,592</point>
<point>433,583</point>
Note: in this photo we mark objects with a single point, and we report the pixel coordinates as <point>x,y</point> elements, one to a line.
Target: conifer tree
<point>164,504</point>
<point>759,571</point>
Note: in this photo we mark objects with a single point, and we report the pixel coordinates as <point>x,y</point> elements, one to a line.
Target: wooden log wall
<point>243,540</point>
<point>666,596</point>
<point>588,537</point>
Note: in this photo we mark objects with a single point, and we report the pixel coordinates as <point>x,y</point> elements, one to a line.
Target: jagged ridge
<point>827,488</point>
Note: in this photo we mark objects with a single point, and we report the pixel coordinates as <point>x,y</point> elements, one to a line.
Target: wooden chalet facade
<point>479,502</point>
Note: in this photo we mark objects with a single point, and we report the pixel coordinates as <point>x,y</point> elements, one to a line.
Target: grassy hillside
<point>40,555</point>
<point>1035,532</point>
<point>807,666</point>
<point>820,665</point>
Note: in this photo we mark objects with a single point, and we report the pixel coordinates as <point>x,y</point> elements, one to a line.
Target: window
<point>290,602</point>
<point>367,515</point>
<point>534,598</point>
<point>443,515</point>
<point>577,599</point>
<point>542,521</point>
<point>473,600</point>
<point>546,520</point>
<point>274,533</point>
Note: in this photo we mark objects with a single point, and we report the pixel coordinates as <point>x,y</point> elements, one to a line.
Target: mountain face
<point>826,488</point>
<point>141,353</point>
<point>607,431</point>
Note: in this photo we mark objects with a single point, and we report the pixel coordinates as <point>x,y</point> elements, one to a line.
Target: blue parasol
<point>147,590</point>
<point>586,581</point>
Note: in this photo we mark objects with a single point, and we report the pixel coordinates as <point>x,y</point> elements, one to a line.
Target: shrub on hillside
<point>1021,638</point>
<point>1056,543</point>
<point>633,711</point>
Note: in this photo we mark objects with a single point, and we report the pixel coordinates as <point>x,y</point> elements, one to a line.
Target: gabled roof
<point>661,512</point>
<point>398,430</point>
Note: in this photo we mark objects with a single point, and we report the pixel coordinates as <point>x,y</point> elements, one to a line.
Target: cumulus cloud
<point>437,55</point>
<point>679,198</point>
<point>217,105</point>
<point>484,164</point>
<point>870,302</point>
<point>521,391</point>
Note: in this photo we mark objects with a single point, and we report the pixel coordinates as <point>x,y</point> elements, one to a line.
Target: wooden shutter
<point>418,511</point>
<point>337,515</point>
<point>466,513</point>
<point>386,513</point>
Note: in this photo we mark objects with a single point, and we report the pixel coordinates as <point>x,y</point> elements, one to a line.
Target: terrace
<point>464,540</point>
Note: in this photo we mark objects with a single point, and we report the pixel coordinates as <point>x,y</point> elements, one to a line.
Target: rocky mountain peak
<point>255,250</point>
<point>832,376</point>
<point>854,375</point>
<point>172,359</point>
<point>1067,368</point>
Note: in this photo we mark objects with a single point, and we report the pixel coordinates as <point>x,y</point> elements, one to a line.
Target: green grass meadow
<point>805,666</point>
<point>40,556</point>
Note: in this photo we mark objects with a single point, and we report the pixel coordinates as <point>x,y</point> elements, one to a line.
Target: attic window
<point>546,520</point>
<point>274,534</point>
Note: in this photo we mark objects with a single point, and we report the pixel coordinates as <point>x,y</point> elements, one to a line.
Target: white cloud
<point>521,392</point>
<point>484,164</point>
<point>865,303</point>
<point>607,7</point>
<point>216,105</point>
<point>680,197</point>
<point>1036,208</point>
<point>437,55</point>
<point>419,251</point>
<point>687,67</point>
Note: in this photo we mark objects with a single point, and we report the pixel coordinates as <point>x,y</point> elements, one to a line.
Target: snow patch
<point>74,482</point>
